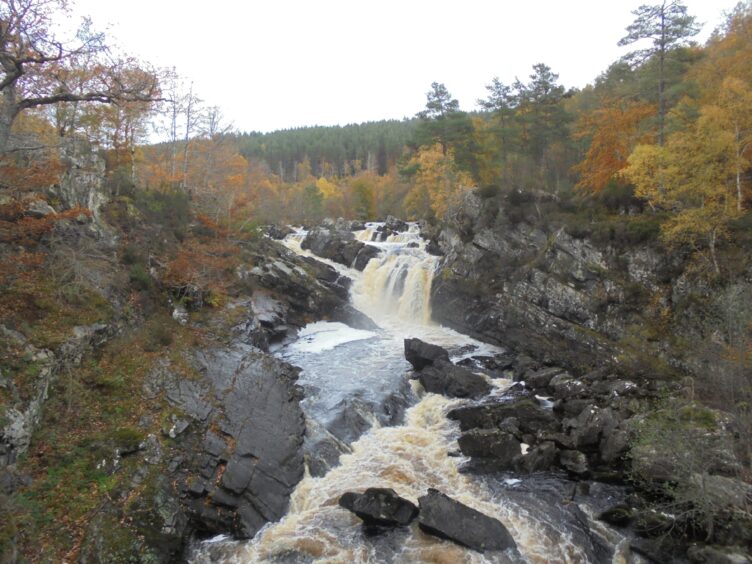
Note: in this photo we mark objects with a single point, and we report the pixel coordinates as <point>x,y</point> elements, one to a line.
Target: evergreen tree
<point>667,26</point>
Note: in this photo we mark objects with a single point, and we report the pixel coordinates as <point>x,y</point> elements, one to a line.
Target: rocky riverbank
<point>593,401</point>
<point>597,428</point>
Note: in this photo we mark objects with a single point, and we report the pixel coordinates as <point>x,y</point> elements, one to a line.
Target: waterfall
<point>397,285</point>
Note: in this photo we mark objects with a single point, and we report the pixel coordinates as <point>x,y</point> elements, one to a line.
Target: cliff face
<point>572,301</point>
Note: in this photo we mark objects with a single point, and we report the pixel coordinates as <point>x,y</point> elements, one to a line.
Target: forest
<point>122,190</point>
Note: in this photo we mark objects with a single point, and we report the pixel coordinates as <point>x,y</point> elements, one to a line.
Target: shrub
<point>131,255</point>
<point>157,336</point>
<point>488,192</point>
<point>139,277</point>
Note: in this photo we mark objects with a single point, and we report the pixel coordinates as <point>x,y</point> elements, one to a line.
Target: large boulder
<point>496,447</point>
<point>421,354</point>
<point>365,254</point>
<point>380,507</point>
<point>530,416</point>
<point>395,224</point>
<point>339,246</point>
<point>445,378</point>
<point>538,459</point>
<point>447,518</point>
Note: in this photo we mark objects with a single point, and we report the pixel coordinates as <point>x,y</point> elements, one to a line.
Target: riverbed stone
<point>538,459</point>
<point>421,354</point>
<point>454,381</point>
<point>531,417</point>
<point>503,448</point>
<point>447,518</point>
<point>380,507</point>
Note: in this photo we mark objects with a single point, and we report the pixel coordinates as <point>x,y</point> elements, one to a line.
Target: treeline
<point>330,151</point>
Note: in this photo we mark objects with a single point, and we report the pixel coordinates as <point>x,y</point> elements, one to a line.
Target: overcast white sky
<point>276,64</point>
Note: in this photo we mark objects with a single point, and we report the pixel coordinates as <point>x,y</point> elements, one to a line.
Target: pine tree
<point>667,26</point>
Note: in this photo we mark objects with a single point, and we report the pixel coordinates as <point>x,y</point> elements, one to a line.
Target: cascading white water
<point>338,363</point>
<point>398,284</point>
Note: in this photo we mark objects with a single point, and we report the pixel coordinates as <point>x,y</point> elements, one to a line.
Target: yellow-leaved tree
<point>693,177</point>
<point>438,182</point>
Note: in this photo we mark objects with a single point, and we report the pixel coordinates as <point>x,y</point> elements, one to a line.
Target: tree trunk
<point>8,113</point>
<point>662,81</point>
<point>739,153</point>
<point>712,252</point>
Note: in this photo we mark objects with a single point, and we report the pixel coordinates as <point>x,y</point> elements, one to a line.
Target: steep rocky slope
<point>535,287</point>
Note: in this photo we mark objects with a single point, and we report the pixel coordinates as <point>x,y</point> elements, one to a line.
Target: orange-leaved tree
<point>614,129</point>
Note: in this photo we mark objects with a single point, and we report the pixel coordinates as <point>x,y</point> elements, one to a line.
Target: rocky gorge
<point>561,419</point>
<point>586,402</point>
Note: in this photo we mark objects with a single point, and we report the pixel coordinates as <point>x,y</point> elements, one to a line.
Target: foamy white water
<point>325,335</point>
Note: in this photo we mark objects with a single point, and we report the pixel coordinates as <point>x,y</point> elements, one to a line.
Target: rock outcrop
<point>239,435</point>
<point>445,378</point>
<point>540,290</point>
<point>421,354</point>
<point>339,245</point>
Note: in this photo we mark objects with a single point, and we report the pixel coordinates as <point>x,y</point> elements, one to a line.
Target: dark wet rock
<point>618,515</point>
<point>338,245</point>
<point>518,391</point>
<point>447,518</point>
<point>380,507</point>
<point>591,425</point>
<point>531,417</point>
<point>539,458</point>
<point>421,354</point>
<point>503,448</point>
<point>524,364</point>
<point>564,386</point>
<point>433,248</point>
<point>364,256</point>
<point>541,378</point>
<point>495,366</point>
<point>278,232</point>
<point>242,451</point>
<point>510,425</point>
<point>322,449</point>
<point>614,445</point>
<point>453,381</point>
<point>574,461</point>
<point>395,224</point>
<point>354,416</point>
<point>308,288</point>
<point>572,407</point>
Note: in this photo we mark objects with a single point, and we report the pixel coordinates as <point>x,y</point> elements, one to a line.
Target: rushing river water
<point>345,369</point>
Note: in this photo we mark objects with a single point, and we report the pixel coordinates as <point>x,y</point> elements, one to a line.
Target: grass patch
<point>92,414</point>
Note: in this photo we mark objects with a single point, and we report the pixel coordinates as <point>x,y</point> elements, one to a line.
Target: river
<point>393,434</point>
